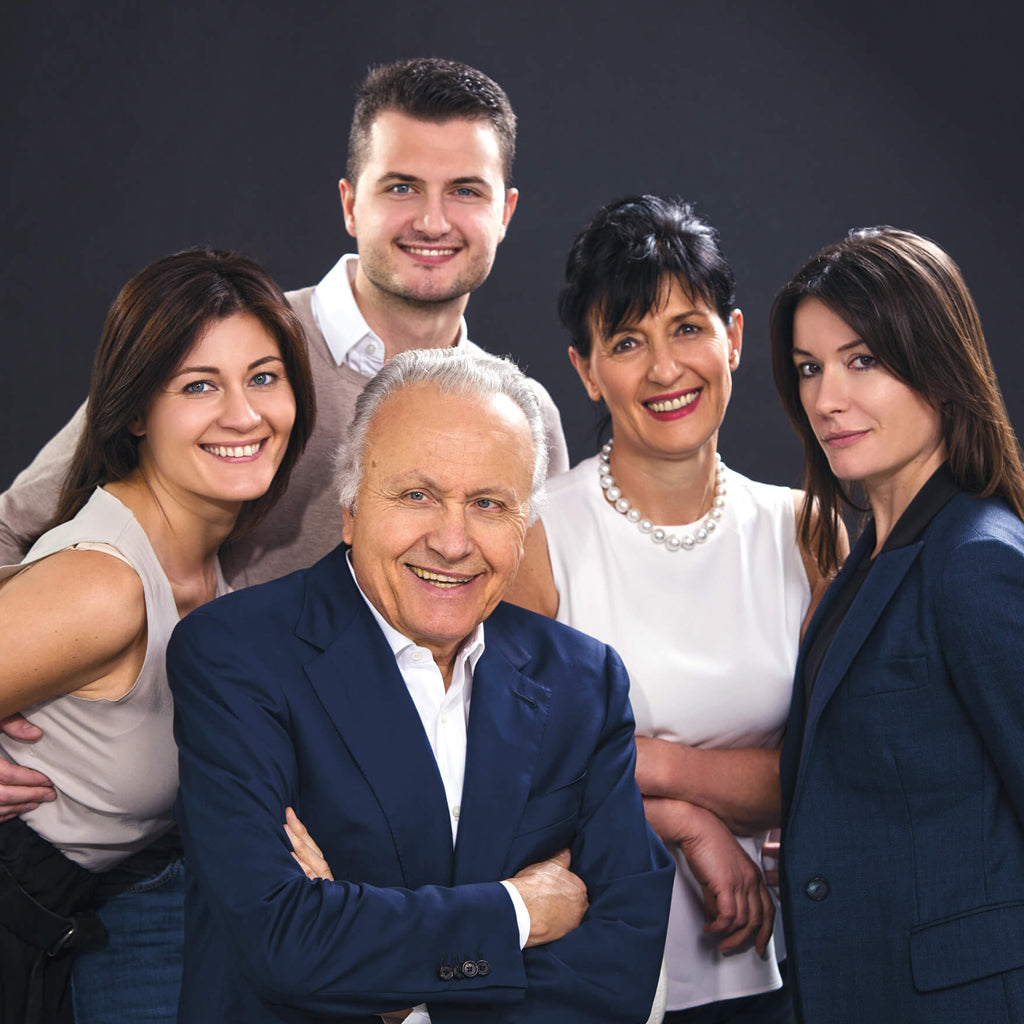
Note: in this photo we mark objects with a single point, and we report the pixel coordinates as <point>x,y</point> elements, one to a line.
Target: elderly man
<point>466,767</point>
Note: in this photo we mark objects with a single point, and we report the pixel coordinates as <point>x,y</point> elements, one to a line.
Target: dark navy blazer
<point>903,786</point>
<point>288,694</point>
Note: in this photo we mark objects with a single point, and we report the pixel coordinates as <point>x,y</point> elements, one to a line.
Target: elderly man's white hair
<point>451,372</point>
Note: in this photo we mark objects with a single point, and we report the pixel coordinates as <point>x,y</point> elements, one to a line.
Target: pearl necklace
<point>658,534</point>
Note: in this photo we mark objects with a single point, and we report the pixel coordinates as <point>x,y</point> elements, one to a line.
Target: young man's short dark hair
<point>430,89</point>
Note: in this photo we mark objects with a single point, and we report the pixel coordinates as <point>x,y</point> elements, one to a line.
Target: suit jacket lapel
<point>797,721</point>
<point>507,717</point>
<point>362,690</point>
<point>877,590</point>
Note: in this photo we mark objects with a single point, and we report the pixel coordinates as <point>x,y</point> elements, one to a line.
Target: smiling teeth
<point>676,403</point>
<point>234,451</point>
<point>429,252</point>
<point>437,578</point>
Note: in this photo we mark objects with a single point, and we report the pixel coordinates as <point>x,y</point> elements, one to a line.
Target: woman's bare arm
<point>74,622</point>
<point>740,786</point>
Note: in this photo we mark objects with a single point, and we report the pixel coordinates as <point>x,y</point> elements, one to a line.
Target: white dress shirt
<point>445,716</point>
<point>344,328</point>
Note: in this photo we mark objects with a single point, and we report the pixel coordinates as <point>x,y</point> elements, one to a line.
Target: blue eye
<point>263,378</point>
<point>400,189</point>
<point>197,387</point>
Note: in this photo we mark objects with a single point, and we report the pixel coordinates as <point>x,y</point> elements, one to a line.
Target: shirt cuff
<point>419,1015</point>
<point>522,914</point>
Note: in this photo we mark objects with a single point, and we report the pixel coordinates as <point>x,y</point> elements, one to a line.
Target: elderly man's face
<point>441,512</point>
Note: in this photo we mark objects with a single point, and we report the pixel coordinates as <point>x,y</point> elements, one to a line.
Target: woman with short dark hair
<point>902,770</point>
<point>692,573</point>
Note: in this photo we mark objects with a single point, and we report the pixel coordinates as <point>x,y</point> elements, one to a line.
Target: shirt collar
<point>470,652</point>
<point>923,508</point>
<point>338,316</point>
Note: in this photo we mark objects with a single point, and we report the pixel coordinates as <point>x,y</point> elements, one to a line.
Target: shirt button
<point>417,655</point>
<point>456,811</point>
<point>816,889</point>
<point>372,348</point>
<point>444,717</point>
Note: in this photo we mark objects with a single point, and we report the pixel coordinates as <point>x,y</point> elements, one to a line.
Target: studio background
<point>133,130</point>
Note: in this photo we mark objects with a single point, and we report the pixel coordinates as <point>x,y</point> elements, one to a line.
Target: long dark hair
<point>907,301</point>
<point>152,325</point>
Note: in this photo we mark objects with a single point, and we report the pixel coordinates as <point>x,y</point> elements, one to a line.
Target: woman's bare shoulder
<point>67,621</point>
<point>534,584</point>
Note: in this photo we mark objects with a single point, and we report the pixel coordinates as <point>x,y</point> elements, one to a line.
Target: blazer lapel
<point>507,717</point>
<point>362,691</point>
<point>797,721</point>
<point>877,590</point>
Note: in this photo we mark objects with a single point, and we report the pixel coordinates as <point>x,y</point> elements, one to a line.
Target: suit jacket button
<point>816,889</point>
<point>469,969</point>
<point>483,967</point>
<point>457,971</point>
<point>445,973</point>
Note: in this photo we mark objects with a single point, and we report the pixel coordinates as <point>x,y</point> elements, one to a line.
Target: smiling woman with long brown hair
<point>201,401</point>
<point>902,769</point>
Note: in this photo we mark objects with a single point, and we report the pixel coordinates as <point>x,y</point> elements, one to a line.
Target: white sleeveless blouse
<point>113,762</point>
<point>709,637</point>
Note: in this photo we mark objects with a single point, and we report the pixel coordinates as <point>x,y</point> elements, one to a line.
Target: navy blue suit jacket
<point>288,694</point>
<point>903,786</point>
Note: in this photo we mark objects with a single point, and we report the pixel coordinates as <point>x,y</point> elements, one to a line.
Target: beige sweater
<point>302,527</point>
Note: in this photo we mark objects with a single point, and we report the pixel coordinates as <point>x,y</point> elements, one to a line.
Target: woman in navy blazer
<point>903,764</point>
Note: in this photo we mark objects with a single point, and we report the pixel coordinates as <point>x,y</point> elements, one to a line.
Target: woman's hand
<point>737,903</point>
<point>308,855</point>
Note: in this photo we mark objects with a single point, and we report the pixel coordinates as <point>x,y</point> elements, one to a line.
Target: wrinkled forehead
<point>422,429</point>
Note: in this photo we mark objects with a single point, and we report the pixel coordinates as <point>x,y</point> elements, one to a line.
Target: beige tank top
<point>113,762</point>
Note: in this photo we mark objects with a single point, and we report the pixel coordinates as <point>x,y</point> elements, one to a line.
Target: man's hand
<point>737,903</point>
<point>554,896</point>
<point>21,789</point>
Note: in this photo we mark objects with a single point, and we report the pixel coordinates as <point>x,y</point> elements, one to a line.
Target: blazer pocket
<point>545,810</point>
<point>894,675</point>
<point>968,946</point>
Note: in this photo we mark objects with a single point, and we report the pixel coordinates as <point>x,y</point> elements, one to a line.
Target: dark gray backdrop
<point>134,129</point>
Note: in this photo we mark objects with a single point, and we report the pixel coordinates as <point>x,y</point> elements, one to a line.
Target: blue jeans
<point>135,978</point>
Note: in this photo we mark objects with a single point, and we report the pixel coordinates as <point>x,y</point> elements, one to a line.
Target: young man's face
<point>429,207</point>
